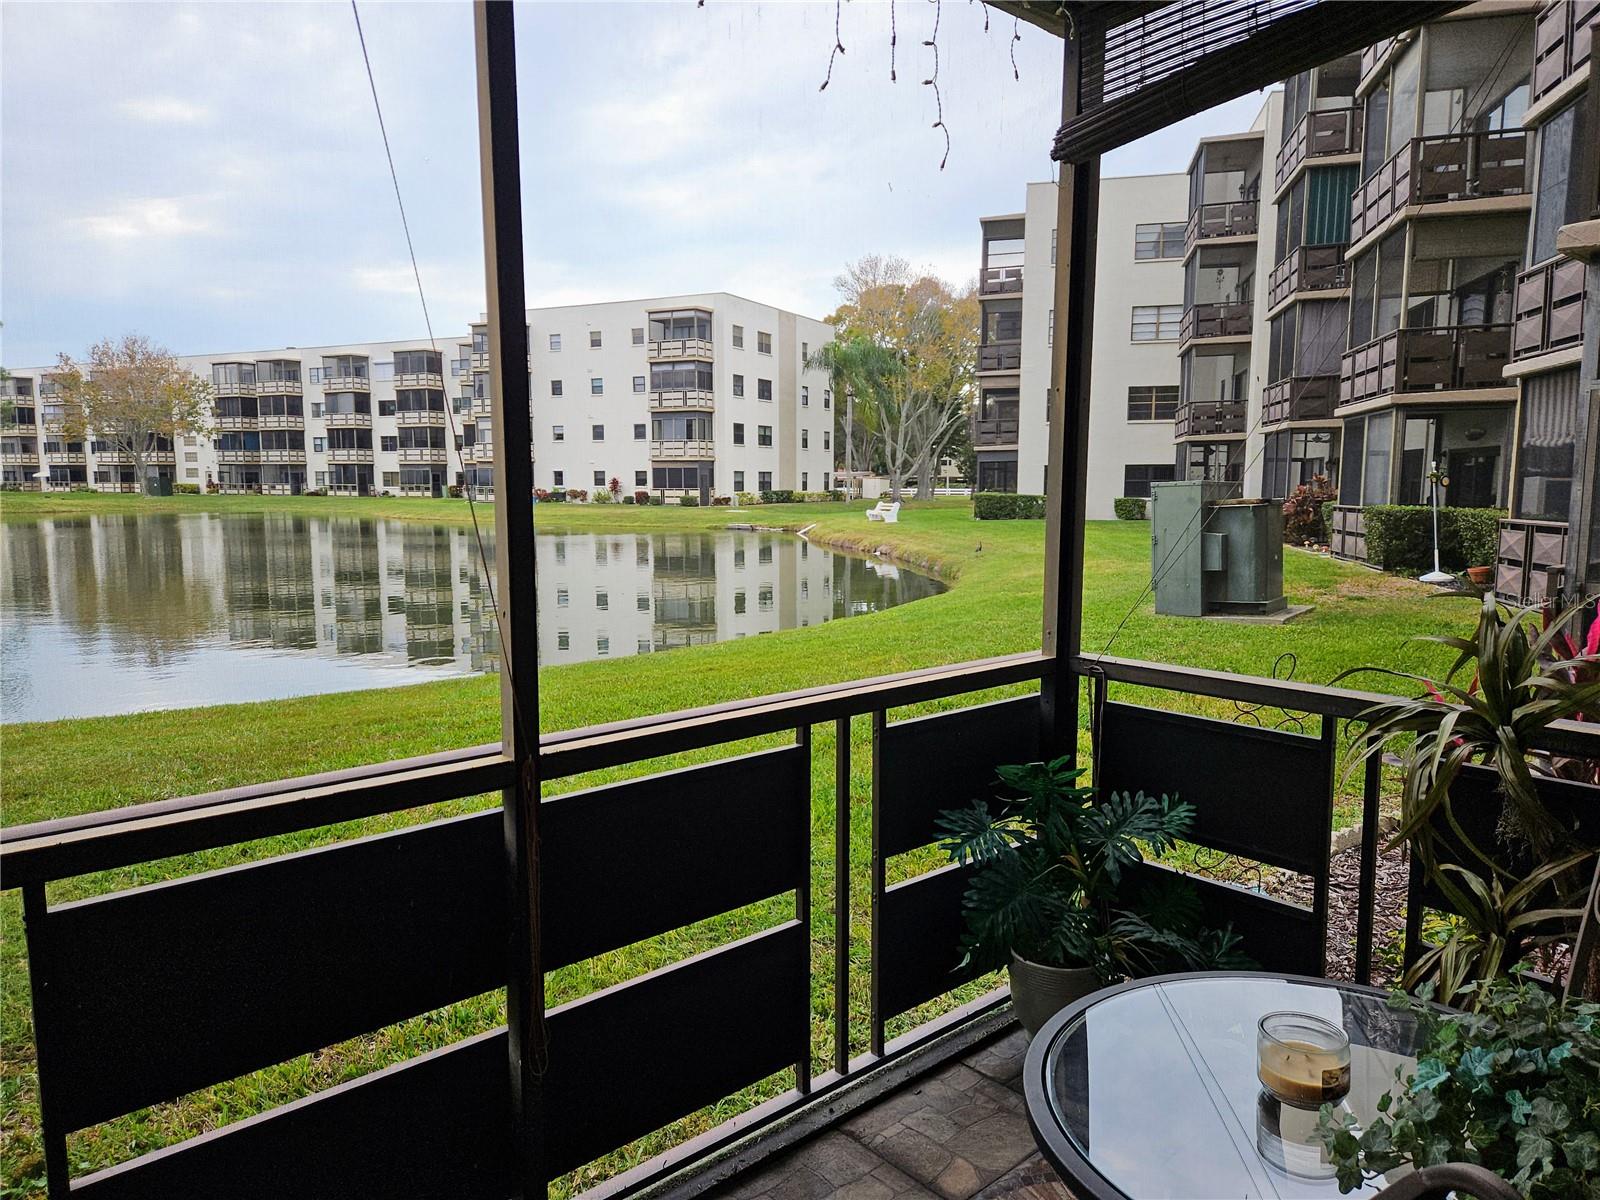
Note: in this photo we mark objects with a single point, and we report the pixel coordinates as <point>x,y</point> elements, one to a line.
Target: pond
<point>115,614</point>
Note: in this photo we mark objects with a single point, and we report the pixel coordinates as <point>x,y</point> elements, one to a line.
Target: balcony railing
<point>1435,170</point>
<point>683,398</point>
<point>336,420</point>
<point>1235,218</point>
<point>1348,537</point>
<point>671,348</point>
<point>238,422</point>
<point>66,456</point>
<point>420,379</point>
<point>427,416</point>
<point>1211,418</point>
<point>422,454</point>
<point>346,383</point>
<point>1445,359</point>
<point>683,448</point>
<point>995,431</point>
<point>1549,308</point>
<point>480,453</point>
<point>349,454</point>
<point>1371,56</point>
<point>18,455</point>
<point>1299,398</point>
<point>1229,319</point>
<point>1001,281</point>
<point>281,421</point>
<point>1562,43</point>
<point>234,388</point>
<point>1319,134</point>
<point>1308,269</point>
<point>239,456</point>
<point>1530,562</point>
<point>1000,356</point>
<point>278,387</point>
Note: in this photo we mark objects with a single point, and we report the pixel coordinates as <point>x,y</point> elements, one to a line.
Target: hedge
<point>781,496</point>
<point>1400,536</point>
<point>186,489</point>
<point>1131,508</point>
<point>1007,506</point>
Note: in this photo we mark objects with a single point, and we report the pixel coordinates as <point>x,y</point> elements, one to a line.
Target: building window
<point>827,439</point>
<point>1050,330</point>
<point>602,645</point>
<point>597,386</point>
<point>1156,322</point>
<point>388,444</point>
<point>738,385</point>
<point>558,478</point>
<point>827,398</point>
<point>805,481</point>
<point>555,387</point>
<point>763,435</point>
<point>764,389</point>
<point>641,479</point>
<point>738,337</point>
<point>391,479</point>
<point>638,335</point>
<point>805,396</point>
<point>1052,247</point>
<point>638,383</point>
<point>764,481</point>
<point>638,433</point>
<point>1137,477</point>
<point>594,339</point>
<point>1154,403</point>
<point>599,479</point>
<point>738,481</point>
<point>555,341</point>
<point>997,475</point>
<point>805,351</point>
<point>763,342</point>
<point>1161,240</point>
<point>1559,200</point>
<point>558,433</point>
<point>805,439</point>
<point>738,433</point>
<point>316,410</point>
<point>319,444</point>
<point>597,433</point>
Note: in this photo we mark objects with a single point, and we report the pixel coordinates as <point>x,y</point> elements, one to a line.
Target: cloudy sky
<point>211,175</point>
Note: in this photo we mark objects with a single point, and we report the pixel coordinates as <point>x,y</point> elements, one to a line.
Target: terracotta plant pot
<point>1481,576</point>
<point>1039,992</point>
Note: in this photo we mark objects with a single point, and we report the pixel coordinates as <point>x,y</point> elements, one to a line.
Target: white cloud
<point>137,220</point>
<point>164,110</point>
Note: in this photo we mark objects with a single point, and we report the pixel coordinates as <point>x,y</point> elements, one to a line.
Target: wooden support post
<point>495,35</point>
<point>1077,217</point>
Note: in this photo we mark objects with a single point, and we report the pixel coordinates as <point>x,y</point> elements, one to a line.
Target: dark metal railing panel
<point>1549,308</point>
<point>1349,533</point>
<point>1263,794</point>
<point>1299,398</point>
<point>1278,934</point>
<point>1200,418</point>
<point>628,1060</point>
<point>931,764</point>
<point>999,281</point>
<point>1447,358</point>
<point>1561,43</point>
<point>1442,168</point>
<point>1318,134</point>
<point>996,431</point>
<point>1230,318</point>
<point>1308,269</point>
<point>678,848</point>
<point>154,992</point>
<point>1000,356</point>
<point>435,1126</point>
<point>1531,560</point>
<point>1232,218</point>
<point>916,957</point>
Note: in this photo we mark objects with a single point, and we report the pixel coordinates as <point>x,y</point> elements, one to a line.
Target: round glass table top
<point>1153,1087</point>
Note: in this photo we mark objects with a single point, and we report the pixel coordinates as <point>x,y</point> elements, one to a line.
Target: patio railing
<point>1432,170</point>
<point>1233,218</point>
<point>1549,308</point>
<point>147,994</point>
<point>1308,269</point>
<point>1318,134</point>
<point>1562,43</point>
<point>1448,358</point>
<point>1530,561</point>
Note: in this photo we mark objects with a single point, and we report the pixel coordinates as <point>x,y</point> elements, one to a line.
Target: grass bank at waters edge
<point>993,607</point>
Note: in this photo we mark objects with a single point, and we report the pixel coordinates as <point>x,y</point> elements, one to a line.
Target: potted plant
<point>1052,899</point>
<point>1512,1087</point>
<point>1480,577</point>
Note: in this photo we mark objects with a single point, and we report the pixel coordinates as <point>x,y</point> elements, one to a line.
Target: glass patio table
<point>1148,1091</point>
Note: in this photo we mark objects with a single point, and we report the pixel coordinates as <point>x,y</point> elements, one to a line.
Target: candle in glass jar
<point>1301,1059</point>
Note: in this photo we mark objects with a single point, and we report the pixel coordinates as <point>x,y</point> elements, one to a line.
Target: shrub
<point>783,496</point>
<point>455,491</point>
<point>722,501</point>
<point>1007,506</point>
<point>186,489</point>
<point>641,497</point>
<point>614,487</point>
<point>556,497</point>
<point>1303,523</point>
<point>602,496</point>
<point>1327,516</point>
<point>837,495</point>
<point>212,487</point>
<point>577,495</point>
<point>629,500</point>
<point>1400,536</point>
<point>1131,508</point>
<point>688,501</point>
<point>746,499</point>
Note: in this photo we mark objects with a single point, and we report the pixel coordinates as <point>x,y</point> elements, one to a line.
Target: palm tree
<point>859,370</point>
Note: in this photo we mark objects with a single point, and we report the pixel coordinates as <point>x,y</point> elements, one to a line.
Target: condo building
<point>683,396</point>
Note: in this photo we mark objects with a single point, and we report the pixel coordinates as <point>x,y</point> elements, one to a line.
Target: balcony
<point>1549,309</point>
<point>1001,281</point>
<point>1211,418</point>
<point>350,454</point>
<point>995,431</point>
<point>239,456</point>
<point>346,383</point>
<point>65,457</point>
<point>1371,56</point>
<point>1452,358</point>
<point>479,453</point>
<point>1562,44</point>
<point>13,454</point>
<point>1530,562</point>
<point>1299,398</point>
<point>1234,218</point>
<point>112,455</point>
<point>427,416</point>
<point>1000,356</point>
<point>234,387</point>
<point>161,458</point>
<point>683,398</point>
<point>675,348</point>
<point>420,379</point>
<point>347,420</point>
<point>281,421</point>
<point>278,387</point>
<point>238,422</point>
<point>423,454</point>
<point>290,455</point>
<point>1230,319</point>
<point>683,448</point>
<point>1440,170</point>
<point>1319,134</point>
<point>1308,269</point>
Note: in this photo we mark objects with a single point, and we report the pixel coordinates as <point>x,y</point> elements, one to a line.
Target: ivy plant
<point>1513,1087</point>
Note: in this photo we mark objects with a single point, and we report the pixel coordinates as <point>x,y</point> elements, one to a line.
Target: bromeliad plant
<point>1053,880</point>
<point>1514,1087</point>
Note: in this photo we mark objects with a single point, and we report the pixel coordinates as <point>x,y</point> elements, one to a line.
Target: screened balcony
<point>995,422</point>
<point>1321,117</point>
<point>1308,269</point>
<point>681,334</point>
<point>1563,45</point>
<point>1224,191</point>
<point>1001,271</point>
<point>1000,348</point>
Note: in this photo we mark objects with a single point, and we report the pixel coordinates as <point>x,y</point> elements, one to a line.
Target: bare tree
<point>131,394</point>
<point>931,329</point>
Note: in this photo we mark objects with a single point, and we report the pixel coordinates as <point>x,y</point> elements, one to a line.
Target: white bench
<point>886,510</point>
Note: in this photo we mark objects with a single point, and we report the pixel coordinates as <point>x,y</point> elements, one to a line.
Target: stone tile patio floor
<point>957,1133</point>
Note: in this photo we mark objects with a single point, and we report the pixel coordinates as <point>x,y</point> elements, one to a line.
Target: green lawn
<point>993,607</point>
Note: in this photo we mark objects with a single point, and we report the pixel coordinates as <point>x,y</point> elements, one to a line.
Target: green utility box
<point>1213,555</point>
